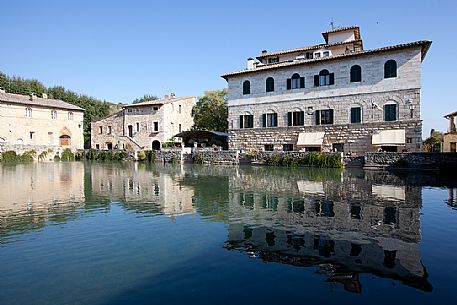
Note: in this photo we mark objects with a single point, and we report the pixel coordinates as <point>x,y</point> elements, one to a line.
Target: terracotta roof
<point>158,102</point>
<point>314,47</point>
<point>37,101</point>
<point>425,44</point>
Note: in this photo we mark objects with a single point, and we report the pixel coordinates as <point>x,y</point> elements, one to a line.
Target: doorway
<point>130,130</point>
<point>155,145</point>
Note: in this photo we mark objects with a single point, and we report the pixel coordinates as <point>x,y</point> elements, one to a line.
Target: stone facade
<point>144,125</point>
<point>442,161</point>
<point>371,95</point>
<point>33,122</point>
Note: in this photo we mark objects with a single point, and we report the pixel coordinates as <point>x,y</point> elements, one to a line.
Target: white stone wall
<point>15,126</point>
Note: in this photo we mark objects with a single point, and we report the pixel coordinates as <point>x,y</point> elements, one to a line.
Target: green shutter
<point>331,116</point>
<point>332,79</point>
<point>317,117</point>
<point>251,121</point>
<point>241,121</point>
<point>289,119</point>
<point>289,84</point>
<point>264,120</point>
<point>302,82</point>
<point>316,80</point>
<point>302,118</point>
<point>275,119</point>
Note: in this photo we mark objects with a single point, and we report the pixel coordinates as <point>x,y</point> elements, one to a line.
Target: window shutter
<point>264,120</point>
<point>316,80</point>
<point>289,119</point>
<point>289,84</point>
<point>302,118</point>
<point>302,82</point>
<point>332,78</point>
<point>353,119</point>
<point>251,121</point>
<point>331,116</point>
<point>241,121</point>
<point>275,119</point>
<point>317,117</point>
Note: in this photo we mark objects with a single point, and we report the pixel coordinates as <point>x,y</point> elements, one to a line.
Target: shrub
<point>141,155</point>
<point>198,159</point>
<point>274,160</point>
<point>9,156</point>
<point>290,161</point>
<point>42,155</point>
<point>67,155</point>
<point>57,157</point>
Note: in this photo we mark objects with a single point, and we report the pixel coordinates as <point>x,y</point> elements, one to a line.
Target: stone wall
<point>51,150</point>
<point>168,156</point>
<point>411,160</point>
<point>356,138</point>
<point>227,157</point>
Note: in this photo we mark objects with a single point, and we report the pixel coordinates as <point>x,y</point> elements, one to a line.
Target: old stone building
<point>31,122</point>
<point>145,125</point>
<point>334,96</point>
<point>450,138</point>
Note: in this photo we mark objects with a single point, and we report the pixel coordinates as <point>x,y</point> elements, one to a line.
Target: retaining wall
<point>411,160</point>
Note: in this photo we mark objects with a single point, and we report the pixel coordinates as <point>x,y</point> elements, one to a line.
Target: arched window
<point>270,84</point>
<point>324,78</point>
<point>53,114</point>
<point>246,87</point>
<point>70,116</point>
<point>356,74</point>
<point>28,112</point>
<point>390,69</point>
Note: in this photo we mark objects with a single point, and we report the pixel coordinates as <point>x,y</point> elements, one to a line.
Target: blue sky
<point>120,50</point>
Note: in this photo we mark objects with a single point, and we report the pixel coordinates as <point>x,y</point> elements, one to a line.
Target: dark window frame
<point>390,69</point>
<point>270,84</point>
<point>390,112</point>
<point>246,87</point>
<point>355,117</point>
<point>356,74</point>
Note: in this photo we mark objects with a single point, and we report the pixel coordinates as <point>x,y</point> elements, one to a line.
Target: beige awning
<point>389,192</point>
<point>310,138</point>
<point>310,187</point>
<point>389,137</point>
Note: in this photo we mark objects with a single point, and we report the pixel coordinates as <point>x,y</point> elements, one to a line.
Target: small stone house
<point>31,122</point>
<point>450,138</point>
<point>334,96</point>
<point>146,125</point>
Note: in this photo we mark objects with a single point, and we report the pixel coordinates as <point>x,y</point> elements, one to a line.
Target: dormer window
<point>326,54</point>
<point>272,60</point>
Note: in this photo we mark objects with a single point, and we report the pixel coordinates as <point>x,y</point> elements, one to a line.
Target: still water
<point>124,233</point>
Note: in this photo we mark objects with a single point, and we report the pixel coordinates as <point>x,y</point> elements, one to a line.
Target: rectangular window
<point>326,54</point>
<point>97,146</point>
<point>356,115</point>
<point>247,121</point>
<point>156,126</point>
<point>390,112</point>
<point>324,117</point>
<point>155,108</point>
<point>288,147</point>
<point>109,129</point>
<point>409,140</point>
<point>31,135</point>
<point>100,129</point>
<point>137,127</point>
<point>70,116</point>
<point>50,138</point>
<point>28,112</point>
<point>179,128</point>
<point>296,118</point>
<point>270,120</point>
<point>273,60</point>
<point>130,110</point>
<point>269,147</point>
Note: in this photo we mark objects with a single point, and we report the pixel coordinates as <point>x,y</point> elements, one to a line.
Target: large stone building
<point>145,125</point>
<point>331,96</point>
<point>31,122</point>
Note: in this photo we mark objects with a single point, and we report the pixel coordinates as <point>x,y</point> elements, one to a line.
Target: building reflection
<point>143,188</point>
<point>344,223</point>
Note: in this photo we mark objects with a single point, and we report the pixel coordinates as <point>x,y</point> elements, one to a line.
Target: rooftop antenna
<point>332,24</point>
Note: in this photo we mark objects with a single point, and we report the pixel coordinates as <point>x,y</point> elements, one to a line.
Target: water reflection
<point>340,223</point>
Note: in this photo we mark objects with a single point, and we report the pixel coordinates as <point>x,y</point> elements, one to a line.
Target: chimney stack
<point>44,95</point>
<point>32,96</point>
<point>264,52</point>
<point>165,97</point>
<point>250,63</point>
<point>172,95</point>
<point>2,90</point>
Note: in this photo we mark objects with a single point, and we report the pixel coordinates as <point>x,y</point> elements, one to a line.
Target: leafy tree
<point>145,98</point>
<point>211,111</point>
<point>433,142</point>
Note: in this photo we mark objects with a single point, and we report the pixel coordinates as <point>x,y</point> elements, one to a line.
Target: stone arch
<point>156,145</point>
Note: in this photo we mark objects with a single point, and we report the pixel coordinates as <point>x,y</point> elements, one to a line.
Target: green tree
<point>145,98</point>
<point>210,112</point>
<point>433,142</point>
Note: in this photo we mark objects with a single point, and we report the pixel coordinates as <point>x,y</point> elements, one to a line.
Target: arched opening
<point>109,145</point>
<point>65,140</point>
<point>2,140</point>
<point>270,84</point>
<point>155,145</point>
<point>324,78</point>
<point>246,87</point>
<point>130,130</point>
<point>356,74</point>
<point>390,69</point>
<point>19,141</point>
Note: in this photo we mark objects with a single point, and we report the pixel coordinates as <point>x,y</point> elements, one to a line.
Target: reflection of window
<point>270,202</point>
<point>325,246</point>
<point>156,189</point>
<point>355,211</point>
<point>295,205</point>
<point>390,215</point>
<point>389,258</point>
<point>296,241</point>
<point>247,200</point>
<point>324,208</point>
<point>355,249</point>
<point>270,238</point>
<point>247,232</point>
